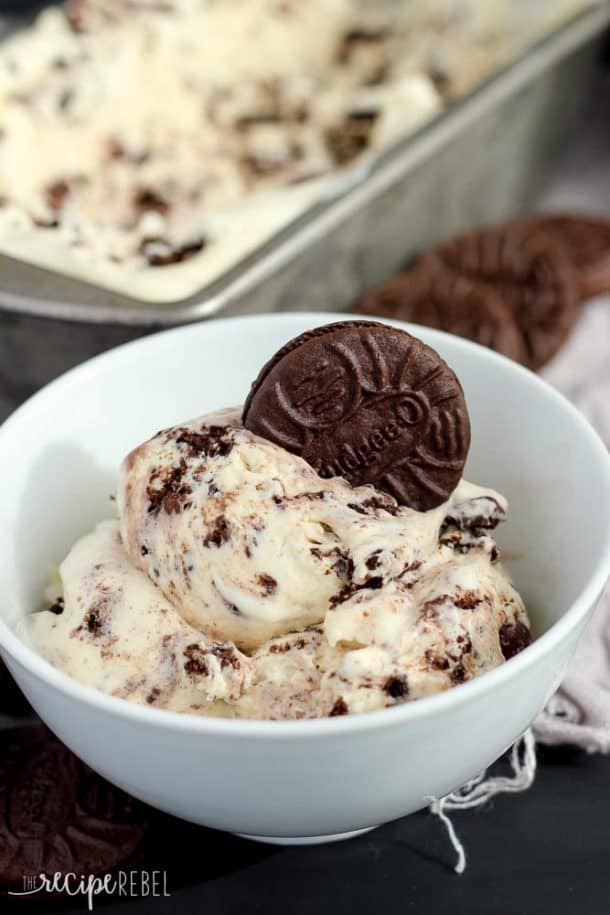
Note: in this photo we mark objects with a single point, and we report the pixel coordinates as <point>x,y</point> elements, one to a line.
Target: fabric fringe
<point>481,789</point>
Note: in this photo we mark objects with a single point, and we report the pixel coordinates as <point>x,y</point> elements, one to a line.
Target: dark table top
<point>544,851</point>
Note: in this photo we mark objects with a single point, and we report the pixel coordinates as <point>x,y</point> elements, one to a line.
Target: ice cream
<point>237,582</point>
<point>180,135</point>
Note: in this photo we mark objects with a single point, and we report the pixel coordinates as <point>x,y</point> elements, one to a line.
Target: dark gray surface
<point>20,7</point>
<point>544,852</point>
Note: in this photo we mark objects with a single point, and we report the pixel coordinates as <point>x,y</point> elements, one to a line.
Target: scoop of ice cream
<point>114,631</point>
<point>247,542</point>
<point>340,600</point>
<point>454,618</point>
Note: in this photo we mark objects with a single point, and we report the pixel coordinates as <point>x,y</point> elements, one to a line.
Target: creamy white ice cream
<point>238,582</point>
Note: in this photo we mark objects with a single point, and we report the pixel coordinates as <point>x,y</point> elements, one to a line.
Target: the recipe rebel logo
<point>126,884</point>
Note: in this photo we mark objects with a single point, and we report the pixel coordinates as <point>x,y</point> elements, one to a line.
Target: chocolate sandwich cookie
<point>441,299</point>
<point>367,402</point>
<point>587,241</point>
<point>531,272</point>
<point>57,816</point>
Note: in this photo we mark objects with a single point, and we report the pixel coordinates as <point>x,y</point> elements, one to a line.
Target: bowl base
<point>306,840</point>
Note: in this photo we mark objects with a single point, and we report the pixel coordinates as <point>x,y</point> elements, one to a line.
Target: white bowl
<point>303,780</point>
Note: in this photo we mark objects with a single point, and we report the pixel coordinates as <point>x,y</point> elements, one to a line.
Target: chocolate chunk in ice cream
<point>159,252</point>
<point>369,403</point>
<point>514,637</point>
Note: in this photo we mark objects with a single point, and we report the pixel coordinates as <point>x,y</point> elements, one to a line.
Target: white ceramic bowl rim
<point>305,729</point>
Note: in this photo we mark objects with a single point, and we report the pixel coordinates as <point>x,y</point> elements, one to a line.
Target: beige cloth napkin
<point>579,713</point>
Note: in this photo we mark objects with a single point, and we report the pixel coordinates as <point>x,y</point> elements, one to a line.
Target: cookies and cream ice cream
<point>237,582</point>
<point>147,147</point>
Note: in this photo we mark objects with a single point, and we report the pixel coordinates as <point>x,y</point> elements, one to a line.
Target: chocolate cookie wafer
<point>531,272</point>
<point>367,402</point>
<point>57,816</point>
<point>587,241</point>
<point>441,299</point>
